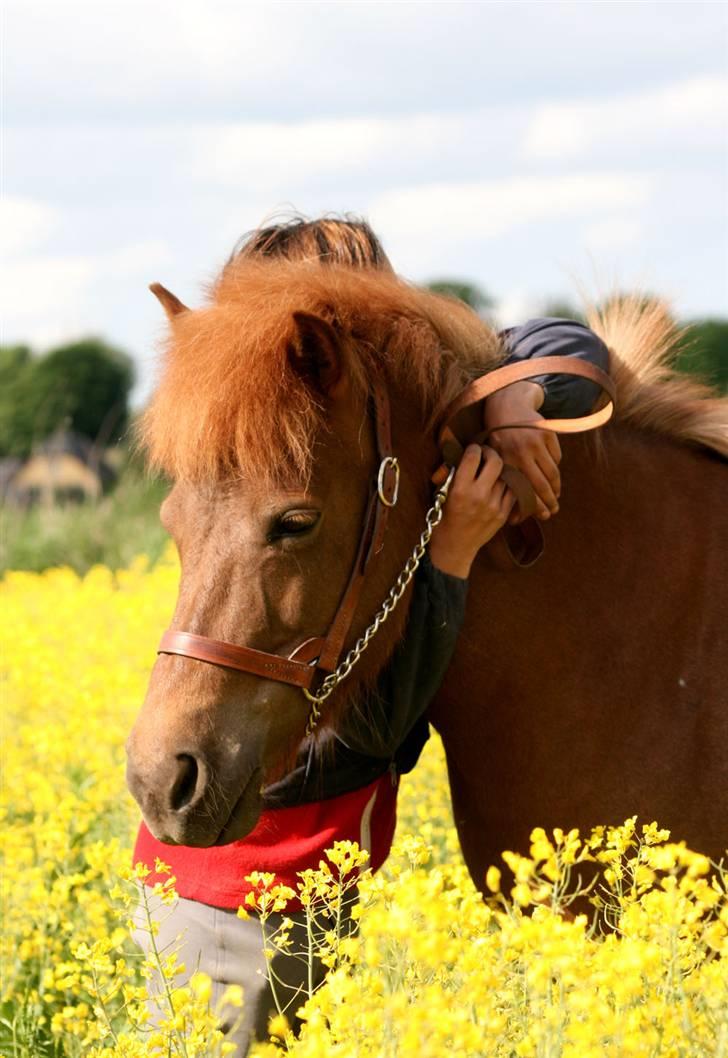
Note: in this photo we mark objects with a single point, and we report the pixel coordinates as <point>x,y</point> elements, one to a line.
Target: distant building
<point>66,468</point>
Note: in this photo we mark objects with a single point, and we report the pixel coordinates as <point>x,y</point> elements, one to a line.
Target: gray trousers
<point>230,951</point>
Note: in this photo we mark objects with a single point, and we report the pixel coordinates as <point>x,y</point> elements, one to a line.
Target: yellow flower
<point>432,970</point>
<point>201,986</point>
<point>278,1026</point>
<point>493,879</point>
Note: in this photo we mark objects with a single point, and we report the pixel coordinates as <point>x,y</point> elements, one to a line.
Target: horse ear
<point>315,353</point>
<point>169,302</point>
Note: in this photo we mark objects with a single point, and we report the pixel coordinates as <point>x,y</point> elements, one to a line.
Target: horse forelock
<point>229,401</point>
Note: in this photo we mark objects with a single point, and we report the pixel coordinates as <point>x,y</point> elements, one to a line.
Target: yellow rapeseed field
<point>434,970</point>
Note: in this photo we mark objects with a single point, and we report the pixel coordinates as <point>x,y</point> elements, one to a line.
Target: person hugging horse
<point>350,792</point>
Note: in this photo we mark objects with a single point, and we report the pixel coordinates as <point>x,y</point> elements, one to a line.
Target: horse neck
<point>634,516</point>
<point>592,686</point>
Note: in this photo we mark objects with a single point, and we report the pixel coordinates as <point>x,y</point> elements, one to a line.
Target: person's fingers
<point>554,446</point>
<point>507,503</point>
<point>469,465</point>
<point>550,471</point>
<point>496,494</point>
<point>542,487</point>
<point>491,468</point>
<point>529,448</point>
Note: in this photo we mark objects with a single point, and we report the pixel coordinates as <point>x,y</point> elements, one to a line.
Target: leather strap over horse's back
<point>519,545</point>
<point>496,380</point>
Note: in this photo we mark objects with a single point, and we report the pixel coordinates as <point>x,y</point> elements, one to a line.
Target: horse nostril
<point>185,785</point>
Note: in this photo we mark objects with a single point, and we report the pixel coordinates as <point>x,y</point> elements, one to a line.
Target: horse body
<point>593,686</point>
<point>584,690</point>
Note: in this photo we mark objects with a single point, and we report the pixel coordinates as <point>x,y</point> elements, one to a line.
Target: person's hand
<point>477,506</point>
<point>536,453</point>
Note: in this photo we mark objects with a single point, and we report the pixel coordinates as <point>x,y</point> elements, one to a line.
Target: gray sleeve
<point>565,396</point>
<point>407,686</point>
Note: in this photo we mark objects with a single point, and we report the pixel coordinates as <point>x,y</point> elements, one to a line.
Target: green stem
<point>158,960</point>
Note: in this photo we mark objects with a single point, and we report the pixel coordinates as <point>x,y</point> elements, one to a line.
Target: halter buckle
<point>388,496</point>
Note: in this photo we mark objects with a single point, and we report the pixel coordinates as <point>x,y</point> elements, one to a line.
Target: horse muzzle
<point>186,800</point>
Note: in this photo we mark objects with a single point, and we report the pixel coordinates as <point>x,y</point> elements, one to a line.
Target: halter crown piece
<point>322,653</point>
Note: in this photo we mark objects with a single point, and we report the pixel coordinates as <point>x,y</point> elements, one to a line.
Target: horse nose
<point>189,782</point>
<point>178,786</point>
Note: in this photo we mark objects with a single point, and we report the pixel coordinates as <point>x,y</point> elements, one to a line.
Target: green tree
<point>83,386</point>
<point>704,351</point>
<point>12,360</point>
<point>470,293</point>
<point>16,370</point>
<point>561,309</point>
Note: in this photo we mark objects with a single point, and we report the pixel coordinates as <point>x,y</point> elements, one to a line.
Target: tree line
<point>703,351</point>
<point>85,386</point>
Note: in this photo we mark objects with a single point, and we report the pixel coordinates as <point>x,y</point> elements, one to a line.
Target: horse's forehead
<point>237,497</point>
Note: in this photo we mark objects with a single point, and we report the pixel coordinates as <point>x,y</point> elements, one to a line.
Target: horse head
<point>262,419</point>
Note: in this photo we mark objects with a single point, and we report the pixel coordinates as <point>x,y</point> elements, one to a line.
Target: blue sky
<point>529,147</point>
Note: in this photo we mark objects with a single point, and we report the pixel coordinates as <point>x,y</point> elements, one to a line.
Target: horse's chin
<point>245,812</point>
<point>194,832</point>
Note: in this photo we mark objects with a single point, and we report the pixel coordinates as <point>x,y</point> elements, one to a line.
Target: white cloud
<point>613,233</point>
<point>135,259</point>
<point>681,115</point>
<point>140,145</point>
<point>139,55</point>
<point>515,306</point>
<point>38,290</point>
<point>491,208</point>
<point>270,157</point>
<point>262,155</point>
<point>25,223</point>
<point>281,60</point>
<point>52,298</point>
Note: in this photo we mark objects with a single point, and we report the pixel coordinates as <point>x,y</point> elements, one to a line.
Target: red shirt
<point>284,841</point>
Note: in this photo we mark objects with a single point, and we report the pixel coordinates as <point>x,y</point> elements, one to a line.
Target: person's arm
<point>537,453</point>
<point>385,725</point>
<point>564,396</point>
<point>379,723</point>
<point>477,506</point>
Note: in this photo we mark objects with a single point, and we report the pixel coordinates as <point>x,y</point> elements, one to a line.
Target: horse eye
<point>294,523</point>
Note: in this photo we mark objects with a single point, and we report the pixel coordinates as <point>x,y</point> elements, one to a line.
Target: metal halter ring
<point>393,462</point>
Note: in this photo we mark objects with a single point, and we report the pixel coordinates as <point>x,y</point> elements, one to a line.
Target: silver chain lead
<point>331,682</point>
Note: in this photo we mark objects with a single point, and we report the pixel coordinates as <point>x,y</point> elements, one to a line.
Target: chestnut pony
<point>585,689</point>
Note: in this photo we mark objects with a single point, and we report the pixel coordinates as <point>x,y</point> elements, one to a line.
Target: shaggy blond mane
<point>229,401</point>
<point>643,339</point>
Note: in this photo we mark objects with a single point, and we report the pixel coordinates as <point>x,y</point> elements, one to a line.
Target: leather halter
<point>323,652</point>
<point>320,652</point>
